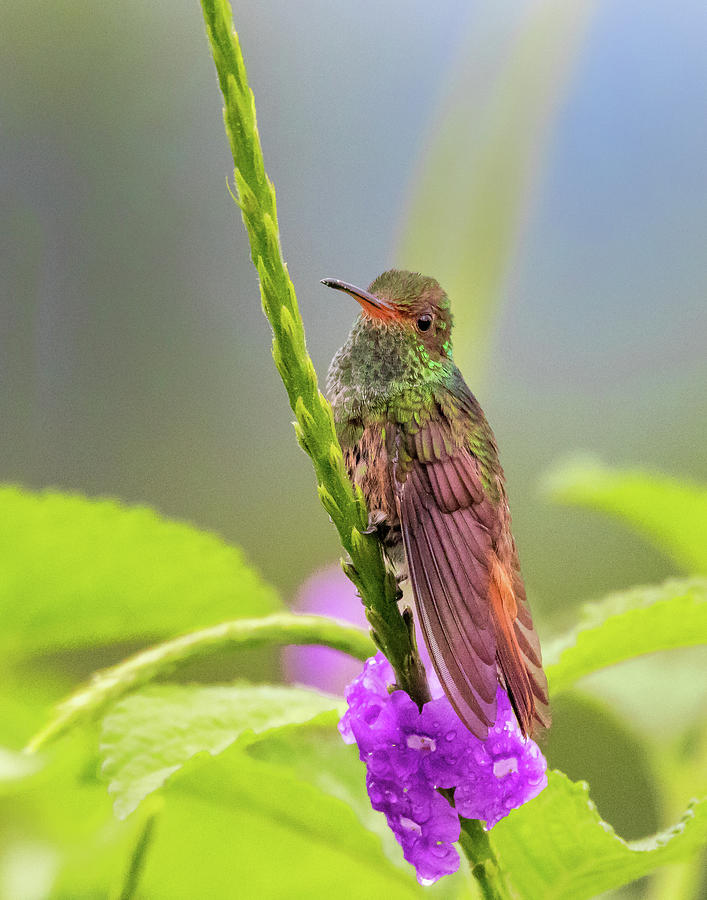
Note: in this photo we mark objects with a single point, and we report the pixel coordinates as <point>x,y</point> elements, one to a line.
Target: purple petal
<point>410,753</point>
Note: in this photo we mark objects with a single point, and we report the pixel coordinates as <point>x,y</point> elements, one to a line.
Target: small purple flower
<point>503,772</point>
<point>410,753</point>
<point>423,822</point>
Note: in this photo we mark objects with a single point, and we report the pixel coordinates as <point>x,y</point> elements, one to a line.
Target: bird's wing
<point>464,571</point>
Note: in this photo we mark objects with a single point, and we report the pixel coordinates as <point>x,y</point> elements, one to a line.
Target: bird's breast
<point>369,453</point>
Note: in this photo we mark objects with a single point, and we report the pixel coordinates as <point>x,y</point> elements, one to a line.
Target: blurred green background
<point>544,160</point>
<point>134,354</point>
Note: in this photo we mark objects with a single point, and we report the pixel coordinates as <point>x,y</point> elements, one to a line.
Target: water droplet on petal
<point>421,742</point>
<point>409,825</point>
<point>480,756</point>
<point>503,767</point>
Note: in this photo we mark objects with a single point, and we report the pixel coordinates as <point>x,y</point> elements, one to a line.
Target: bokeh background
<point>545,160</point>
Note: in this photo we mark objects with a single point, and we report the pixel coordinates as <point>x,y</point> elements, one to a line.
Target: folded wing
<point>466,581</point>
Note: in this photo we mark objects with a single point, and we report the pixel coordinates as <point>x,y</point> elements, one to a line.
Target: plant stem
<point>109,685</point>
<point>137,858</point>
<point>477,848</point>
<point>366,565</point>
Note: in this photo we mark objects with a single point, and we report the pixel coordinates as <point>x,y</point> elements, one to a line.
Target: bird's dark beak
<point>374,306</point>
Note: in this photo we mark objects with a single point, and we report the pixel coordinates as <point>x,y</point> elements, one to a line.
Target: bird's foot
<point>400,578</point>
<point>376,522</point>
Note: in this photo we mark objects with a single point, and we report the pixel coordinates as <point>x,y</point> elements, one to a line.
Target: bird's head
<point>407,302</point>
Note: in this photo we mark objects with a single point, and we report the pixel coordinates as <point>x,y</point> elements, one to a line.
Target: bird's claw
<point>376,520</point>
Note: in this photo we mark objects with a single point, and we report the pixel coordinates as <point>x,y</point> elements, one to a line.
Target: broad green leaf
<point>489,143</point>
<point>79,572</point>
<point>148,736</point>
<point>233,826</point>
<point>670,513</point>
<point>557,846</point>
<point>628,624</point>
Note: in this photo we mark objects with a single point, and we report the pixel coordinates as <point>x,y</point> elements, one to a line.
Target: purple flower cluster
<point>409,754</point>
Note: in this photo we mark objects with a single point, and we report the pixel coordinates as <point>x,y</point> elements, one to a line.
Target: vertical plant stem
<point>366,566</point>
<point>137,859</point>
<point>477,848</point>
<point>314,425</point>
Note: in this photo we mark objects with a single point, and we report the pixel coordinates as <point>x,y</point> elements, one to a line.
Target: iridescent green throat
<point>381,362</point>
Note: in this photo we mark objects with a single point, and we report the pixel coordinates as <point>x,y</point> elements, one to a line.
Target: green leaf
<point>463,227</point>
<point>233,826</point>
<point>670,513</point>
<point>557,846</point>
<point>79,572</point>
<point>150,735</point>
<point>627,624</point>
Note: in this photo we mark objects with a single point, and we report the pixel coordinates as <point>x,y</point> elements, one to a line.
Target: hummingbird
<point>416,441</point>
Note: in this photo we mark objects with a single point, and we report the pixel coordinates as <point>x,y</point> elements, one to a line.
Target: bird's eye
<point>424,322</point>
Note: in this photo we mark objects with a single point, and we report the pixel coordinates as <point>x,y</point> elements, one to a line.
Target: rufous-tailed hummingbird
<point>417,442</point>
